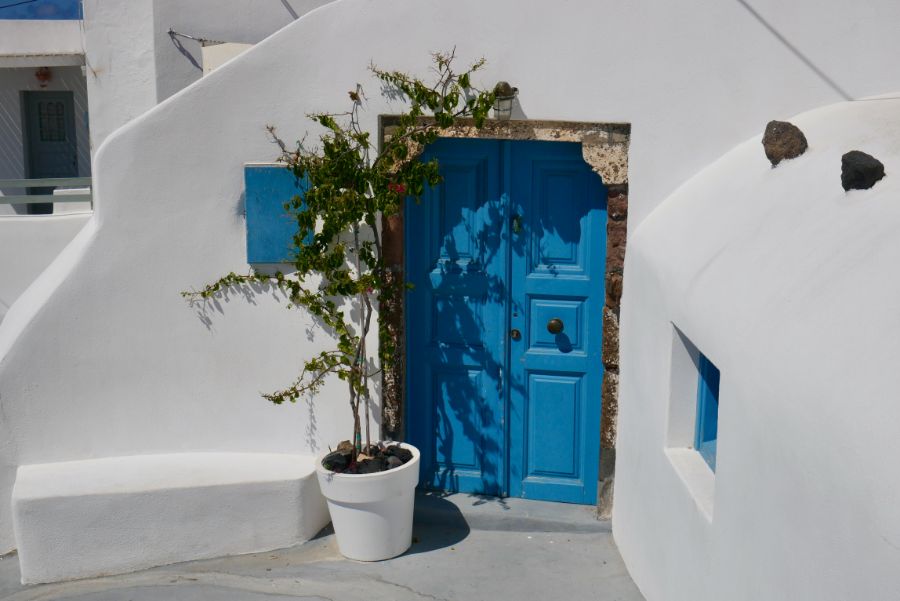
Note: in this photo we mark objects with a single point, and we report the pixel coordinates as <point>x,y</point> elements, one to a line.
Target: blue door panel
<point>553,409</point>
<point>570,310</point>
<point>455,313</point>
<point>557,266</point>
<point>458,427</point>
<point>512,238</point>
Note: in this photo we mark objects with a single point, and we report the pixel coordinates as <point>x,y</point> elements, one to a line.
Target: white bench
<point>79,519</point>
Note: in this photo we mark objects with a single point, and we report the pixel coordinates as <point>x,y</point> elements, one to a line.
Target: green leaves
<point>349,188</point>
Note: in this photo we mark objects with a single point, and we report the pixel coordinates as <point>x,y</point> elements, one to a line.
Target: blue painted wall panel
<point>270,228</point>
<point>707,411</point>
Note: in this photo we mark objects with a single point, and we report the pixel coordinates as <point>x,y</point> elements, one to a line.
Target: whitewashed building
<point>71,73</point>
<point>43,134</point>
<point>770,287</point>
<point>44,126</point>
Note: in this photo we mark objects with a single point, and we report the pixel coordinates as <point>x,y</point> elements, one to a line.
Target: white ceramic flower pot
<point>372,514</point>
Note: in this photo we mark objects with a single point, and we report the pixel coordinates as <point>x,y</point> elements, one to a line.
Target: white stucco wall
<point>787,283</point>
<point>119,56</point>
<point>133,63</point>
<point>139,372</point>
<point>49,39</point>
<point>28,244</point>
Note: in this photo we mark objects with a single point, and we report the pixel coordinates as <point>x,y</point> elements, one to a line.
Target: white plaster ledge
<point>696,476</point>
<point>80,519</point>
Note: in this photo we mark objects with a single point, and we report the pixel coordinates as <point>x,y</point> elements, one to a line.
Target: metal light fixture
<point>503,103</point>
<point>43,75</point>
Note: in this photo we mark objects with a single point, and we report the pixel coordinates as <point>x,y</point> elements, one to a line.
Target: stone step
<point>80,519</point>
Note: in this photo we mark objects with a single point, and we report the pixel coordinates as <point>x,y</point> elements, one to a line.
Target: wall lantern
<point>505,94</point>
<point>43,76</point>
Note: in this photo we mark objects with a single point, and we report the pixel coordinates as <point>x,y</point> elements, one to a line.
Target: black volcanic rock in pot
<point>371,466</point>
<point>404,455</point>
<point>336,461</point>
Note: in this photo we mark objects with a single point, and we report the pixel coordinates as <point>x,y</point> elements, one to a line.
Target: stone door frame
<point>605,149</point>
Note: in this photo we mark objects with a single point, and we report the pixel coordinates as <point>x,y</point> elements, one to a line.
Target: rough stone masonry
<point>783,140</point>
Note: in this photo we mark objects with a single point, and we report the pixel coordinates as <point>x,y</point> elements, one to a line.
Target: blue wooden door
<point>557,290</point>
<point>513,238</point>
<point>49,135</point>
<point>456,259</point>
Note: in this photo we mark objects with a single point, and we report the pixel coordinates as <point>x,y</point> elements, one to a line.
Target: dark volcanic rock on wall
<point>860,171</point>
<point>783,140</point>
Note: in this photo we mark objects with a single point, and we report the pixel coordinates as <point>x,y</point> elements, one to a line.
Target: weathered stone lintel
<point>604,145</point>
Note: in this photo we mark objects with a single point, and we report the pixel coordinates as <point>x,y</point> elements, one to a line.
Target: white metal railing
<point>52,182</point>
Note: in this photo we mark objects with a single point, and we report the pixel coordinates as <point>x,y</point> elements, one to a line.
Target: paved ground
<point>467,549</point>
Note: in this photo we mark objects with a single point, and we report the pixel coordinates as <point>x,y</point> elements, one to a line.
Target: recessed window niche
<point>706,429</point>
<point>692,427</point>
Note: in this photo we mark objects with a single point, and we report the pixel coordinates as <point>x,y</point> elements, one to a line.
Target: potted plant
<point>348,186</point>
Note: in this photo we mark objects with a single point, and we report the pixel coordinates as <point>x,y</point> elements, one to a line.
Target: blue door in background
<point>49,136</point>
<point>504,320</point>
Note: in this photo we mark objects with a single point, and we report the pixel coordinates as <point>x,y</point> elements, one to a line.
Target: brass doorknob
<point>555,325</point>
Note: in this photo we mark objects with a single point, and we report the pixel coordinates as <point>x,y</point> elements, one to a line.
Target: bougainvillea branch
<point>347,187</point>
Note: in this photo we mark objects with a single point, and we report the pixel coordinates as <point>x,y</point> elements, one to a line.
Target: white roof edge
<point>61,59</point>
<point>50,37</point>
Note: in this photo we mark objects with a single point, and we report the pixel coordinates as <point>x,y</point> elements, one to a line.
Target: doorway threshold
<point>506,514</point>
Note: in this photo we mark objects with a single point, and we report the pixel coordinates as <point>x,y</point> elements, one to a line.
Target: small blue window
<point>707,411</point>
<point>270,227</point>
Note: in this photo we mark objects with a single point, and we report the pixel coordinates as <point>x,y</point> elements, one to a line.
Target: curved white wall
<point>788,284</point>
<point>28,244</point>
<point>111,360</point>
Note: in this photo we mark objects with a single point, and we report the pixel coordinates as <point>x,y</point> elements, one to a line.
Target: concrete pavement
<point>466,548</point>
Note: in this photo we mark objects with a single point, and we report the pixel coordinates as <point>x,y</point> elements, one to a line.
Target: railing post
<point>55,183</point>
